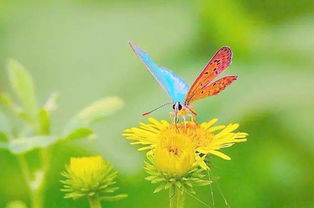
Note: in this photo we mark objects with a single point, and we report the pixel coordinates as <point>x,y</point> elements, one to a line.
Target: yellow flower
<point>87,169</point>
<point>88,176</point>
<point>206,139</point>
<point>174,155</point>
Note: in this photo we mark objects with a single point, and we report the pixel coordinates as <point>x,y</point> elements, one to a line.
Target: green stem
<point>176,197</point>
<point>24,168</point>
<point>35,182</point>
<point>94,202</point>
<point>35,187</point>
<point>37,197</point>
<point>37,194</point>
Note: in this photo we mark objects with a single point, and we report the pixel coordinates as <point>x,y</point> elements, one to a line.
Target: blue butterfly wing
<point>174,85</point>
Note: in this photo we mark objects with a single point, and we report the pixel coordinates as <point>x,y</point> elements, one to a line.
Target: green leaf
<point>5,126</point>
<point>23,145</point>
<point>3,145</point>
<point>95,112</point>
<point>23,86</point>
<point>51,103</point>
<point>6,100</point>
<point>3,137</point>
<point>100,109</point>
<point>150,178</point>
<point>16,204</point>
<point>114,198</point>
<point>79,133</point>
<point>159,188</point>
<point>44,121</point>
<point>168,185</point>
<point>111,189</point>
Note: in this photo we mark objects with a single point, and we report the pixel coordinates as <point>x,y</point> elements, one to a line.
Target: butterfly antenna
<point>147,113</point>
<point>192,111</point>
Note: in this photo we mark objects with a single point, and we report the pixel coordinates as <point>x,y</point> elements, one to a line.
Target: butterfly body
<point>179,91</point>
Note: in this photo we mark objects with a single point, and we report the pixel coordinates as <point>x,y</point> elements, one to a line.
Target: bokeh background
<point>79,49</point>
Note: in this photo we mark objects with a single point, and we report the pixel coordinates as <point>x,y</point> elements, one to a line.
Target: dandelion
<point>90,177</point>
<point>174,155</point>
<point>206,138</point>
<point>177,152</point>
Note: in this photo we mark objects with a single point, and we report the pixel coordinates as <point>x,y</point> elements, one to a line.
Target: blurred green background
<point>79,49</point>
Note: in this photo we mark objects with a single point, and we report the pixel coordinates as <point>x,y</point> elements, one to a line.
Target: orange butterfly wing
<point>214,88</point>
<point>217,64</point>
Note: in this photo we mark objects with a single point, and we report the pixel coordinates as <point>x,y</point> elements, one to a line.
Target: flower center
<point>174,154</point>
<point>173,150</point>
<point>194,132</point>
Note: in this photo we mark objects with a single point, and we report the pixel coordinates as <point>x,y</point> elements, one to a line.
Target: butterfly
<point>179,91</point>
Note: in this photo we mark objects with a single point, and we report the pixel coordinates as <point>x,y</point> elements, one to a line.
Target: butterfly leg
<point>192,117</point>
<point>173,118</point>
<point>184,120</point>
<point>191,112</point>
<point>176,119</point>
<point>171,115</point>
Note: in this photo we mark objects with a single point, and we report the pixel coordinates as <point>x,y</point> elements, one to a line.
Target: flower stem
<point>37,198</point>
<point>94,202</point>
<point>176,197</point>
<point>24,168</point>
<point>35,181</point>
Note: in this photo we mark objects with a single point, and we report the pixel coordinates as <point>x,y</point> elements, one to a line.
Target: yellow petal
<point>201,163</point>
<point>215,128</point>
<point>206,125</point>
<point>144,148</point>
<point>220,154</point>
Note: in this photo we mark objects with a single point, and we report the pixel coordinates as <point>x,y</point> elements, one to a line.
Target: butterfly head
<point>177,106</point>
<point>182,109</point>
